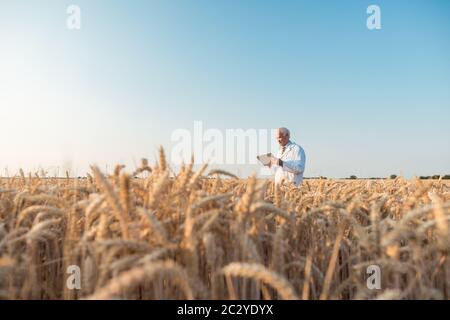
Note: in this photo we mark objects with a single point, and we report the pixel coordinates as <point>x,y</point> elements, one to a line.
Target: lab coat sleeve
<point>296,165</point>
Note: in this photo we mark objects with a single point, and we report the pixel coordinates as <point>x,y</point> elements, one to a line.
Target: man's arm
<point>297,165</point>
<point>274,164</point>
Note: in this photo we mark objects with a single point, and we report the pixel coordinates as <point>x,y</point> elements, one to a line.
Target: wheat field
<point>206,234</point>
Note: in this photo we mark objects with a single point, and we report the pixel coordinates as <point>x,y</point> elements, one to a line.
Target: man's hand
<point>275,162</point>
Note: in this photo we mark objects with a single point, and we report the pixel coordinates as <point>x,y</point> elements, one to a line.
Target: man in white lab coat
<point>289,164</point>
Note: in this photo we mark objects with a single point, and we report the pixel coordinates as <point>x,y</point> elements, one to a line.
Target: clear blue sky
<point>362,102</point>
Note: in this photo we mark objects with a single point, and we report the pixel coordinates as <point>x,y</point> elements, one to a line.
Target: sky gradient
<point>359,101</point>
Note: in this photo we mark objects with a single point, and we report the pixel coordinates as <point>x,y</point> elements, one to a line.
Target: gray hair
<point>285,131</point>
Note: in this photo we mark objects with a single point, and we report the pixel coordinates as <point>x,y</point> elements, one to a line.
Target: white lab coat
<point>293,167</point>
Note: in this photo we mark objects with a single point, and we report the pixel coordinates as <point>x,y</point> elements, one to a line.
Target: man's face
<point>282,138</point>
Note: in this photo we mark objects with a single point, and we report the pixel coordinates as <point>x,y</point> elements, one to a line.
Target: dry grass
<point>203,235</point>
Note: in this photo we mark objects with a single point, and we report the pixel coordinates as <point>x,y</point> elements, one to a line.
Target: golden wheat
<point>196,236</point>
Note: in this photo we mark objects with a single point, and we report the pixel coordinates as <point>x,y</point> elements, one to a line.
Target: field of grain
<point>209,235</point>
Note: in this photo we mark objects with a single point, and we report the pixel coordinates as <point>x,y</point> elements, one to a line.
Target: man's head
<point>282,135</point>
